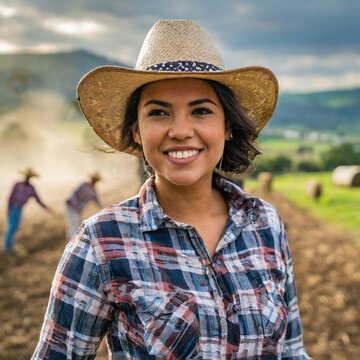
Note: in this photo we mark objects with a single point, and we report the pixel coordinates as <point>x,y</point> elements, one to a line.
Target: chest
<point>211,231</point>
<point>169,294</point>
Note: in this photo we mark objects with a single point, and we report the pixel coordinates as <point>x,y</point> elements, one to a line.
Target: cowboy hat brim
<point>29,173</point>
<point>103,94</point>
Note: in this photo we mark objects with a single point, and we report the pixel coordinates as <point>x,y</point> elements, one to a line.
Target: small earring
<point>230,137</point>
<point>221,160</point>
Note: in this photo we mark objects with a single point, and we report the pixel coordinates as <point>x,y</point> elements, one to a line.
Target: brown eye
<point>157,112</point>
<point>202,111</point>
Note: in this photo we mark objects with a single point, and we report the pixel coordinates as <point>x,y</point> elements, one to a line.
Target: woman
<point>192,267</point>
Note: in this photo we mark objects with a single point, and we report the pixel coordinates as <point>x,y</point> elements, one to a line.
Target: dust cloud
<point>45,133</point>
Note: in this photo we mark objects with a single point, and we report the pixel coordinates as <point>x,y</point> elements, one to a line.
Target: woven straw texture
<point>174,41</point>
<point>103,92</point>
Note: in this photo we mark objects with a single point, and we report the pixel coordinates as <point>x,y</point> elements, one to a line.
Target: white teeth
<point>183,154</point>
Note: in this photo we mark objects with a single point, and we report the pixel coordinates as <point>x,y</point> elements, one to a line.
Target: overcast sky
<point>309,44</point>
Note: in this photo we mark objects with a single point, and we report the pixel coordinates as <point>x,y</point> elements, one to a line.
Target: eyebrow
<point>201,101</point>
<point>157,102</point>
<point>192,103</point>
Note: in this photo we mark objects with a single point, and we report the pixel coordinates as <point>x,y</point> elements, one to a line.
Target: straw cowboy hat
<point>29,173</point>
<point>172,49</point>
<point>95,176</point>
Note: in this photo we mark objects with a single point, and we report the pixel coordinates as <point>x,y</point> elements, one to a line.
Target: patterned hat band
<point>184,66</point>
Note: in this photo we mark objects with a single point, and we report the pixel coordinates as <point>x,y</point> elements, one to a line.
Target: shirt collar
<point>242,207</point>
<point>151,213</point>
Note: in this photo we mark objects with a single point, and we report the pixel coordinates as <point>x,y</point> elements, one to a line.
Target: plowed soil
<point>326,262</point>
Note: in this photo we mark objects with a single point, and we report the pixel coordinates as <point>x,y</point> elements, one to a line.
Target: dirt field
<point>326,266</point>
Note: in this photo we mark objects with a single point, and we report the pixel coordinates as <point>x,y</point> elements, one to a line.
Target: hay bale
<point>265,179</point>
<point>314,189</point>
<point>348,176</point>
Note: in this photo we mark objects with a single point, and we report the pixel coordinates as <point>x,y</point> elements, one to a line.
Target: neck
<point>186,203</point>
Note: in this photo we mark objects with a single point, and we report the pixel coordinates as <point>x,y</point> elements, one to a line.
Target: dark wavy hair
<point>239,151</point>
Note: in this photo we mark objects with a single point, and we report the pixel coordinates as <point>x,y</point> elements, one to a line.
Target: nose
<point>181,127</point>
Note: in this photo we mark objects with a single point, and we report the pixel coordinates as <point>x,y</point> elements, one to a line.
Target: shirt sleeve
<point>96,199</point>
<point>79,312</point>
<point>37,198</point>
<point>294,345</point>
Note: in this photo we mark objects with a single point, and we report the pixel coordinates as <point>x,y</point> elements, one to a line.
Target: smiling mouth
<point>183,154</point>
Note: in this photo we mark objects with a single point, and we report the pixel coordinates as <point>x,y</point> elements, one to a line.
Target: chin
<point>185,178</point>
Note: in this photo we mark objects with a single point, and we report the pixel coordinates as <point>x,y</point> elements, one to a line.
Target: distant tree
<point>276,164</point>
<point>308,166</point>
<point>304,149</point>
<point>343,154</point>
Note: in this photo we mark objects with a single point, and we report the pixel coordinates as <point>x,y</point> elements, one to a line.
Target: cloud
<point>7,11</point>
<point>7,47</point>
<point>46,48</point>
<point>73,27</point>
<point>318,82</point>
<point>298,40</point>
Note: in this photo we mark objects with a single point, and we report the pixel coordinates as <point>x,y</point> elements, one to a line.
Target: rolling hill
<point>59,72</point>
<point>332,111</point>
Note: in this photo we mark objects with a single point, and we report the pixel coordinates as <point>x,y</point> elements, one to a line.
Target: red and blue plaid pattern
<point>147,283</point>
<point>20,194</point>
<point>81,196</point>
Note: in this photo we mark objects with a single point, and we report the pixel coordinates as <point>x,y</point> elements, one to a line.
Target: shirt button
<point>169,307</point>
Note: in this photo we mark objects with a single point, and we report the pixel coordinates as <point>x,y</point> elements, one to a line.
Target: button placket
<point>215,289</point>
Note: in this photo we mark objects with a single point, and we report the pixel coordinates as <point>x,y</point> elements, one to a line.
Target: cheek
<point>149,138</point>
<point>215,133</point>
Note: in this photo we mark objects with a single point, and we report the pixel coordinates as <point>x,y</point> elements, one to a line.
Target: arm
<point>96,199</point>
<point>38,200</point>
<point>294,346</point>
<point>78,313</point>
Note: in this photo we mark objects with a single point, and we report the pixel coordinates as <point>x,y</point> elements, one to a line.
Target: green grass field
<point>337,205</point>
<point>289,147</point>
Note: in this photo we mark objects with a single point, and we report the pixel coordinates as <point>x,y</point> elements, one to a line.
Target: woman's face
<point>181,127</point>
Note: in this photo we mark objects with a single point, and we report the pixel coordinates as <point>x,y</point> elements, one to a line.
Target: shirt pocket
<point>261,311</point>
<point>170,323</point>
<point>274,311</point>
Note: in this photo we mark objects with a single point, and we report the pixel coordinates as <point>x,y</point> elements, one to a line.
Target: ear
<point>228,133</point>
<point>136,134</point>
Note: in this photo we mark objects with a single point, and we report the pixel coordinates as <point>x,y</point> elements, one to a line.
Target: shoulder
<point>258,212</point>
<point>21,183</point>
<point>107,233</point>
<point>123,214</point>
<point>262,213</point>
<point>266,209</point>
<point>269,214</point>
<point>24,186</point>
<point>84,185</point>
<point>17,185</point>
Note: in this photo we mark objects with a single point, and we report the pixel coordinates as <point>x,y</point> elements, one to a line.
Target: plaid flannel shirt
<point>81,196</point>
<point>21,192</point>
<point>147,283</point>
